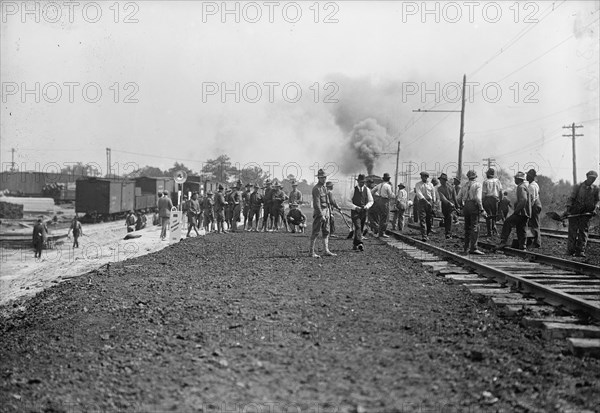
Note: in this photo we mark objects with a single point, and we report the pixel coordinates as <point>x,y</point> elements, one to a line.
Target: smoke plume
<point>368,139</point>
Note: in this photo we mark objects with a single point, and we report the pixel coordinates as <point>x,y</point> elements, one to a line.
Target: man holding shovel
<point>582,205</point>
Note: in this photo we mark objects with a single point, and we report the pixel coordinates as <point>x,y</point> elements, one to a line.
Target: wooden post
<point>462,128</point>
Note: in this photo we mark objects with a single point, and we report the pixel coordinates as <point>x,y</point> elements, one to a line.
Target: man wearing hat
<point>491,193</point>
<point>256,201</point>
<point>362,200</point>
<point>584,199</point>
<point>208,209</point>
<point>333,205</point>
<point>383,194</point>
<point>321,215</point>
<point>295,195</point>
<point>220,205</point>
<point>164,212</point>
<point>448,201</point>
<point>520,215</point>
<point>267,204</point>
<point>236,210</point>
<point>400,205</point>
<point>470,197</point>
<point>246,206</point>
<point>192,213</point>
<point>277,208</point>
<point>296,218</point>
<point>373,212</point>
<point>536,208</point>
<point>426,196</point>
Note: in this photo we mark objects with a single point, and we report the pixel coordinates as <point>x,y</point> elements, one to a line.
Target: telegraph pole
<point>397,162</point>
<point>573,136</point>
<point>108,162</point>
<point>12,164</point>
<point>461,143</point>
<point>489,161</point>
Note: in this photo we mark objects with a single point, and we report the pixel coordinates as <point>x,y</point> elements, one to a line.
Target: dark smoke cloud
<point>368,139</point>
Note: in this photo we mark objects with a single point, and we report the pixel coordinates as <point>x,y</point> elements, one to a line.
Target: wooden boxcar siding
<point>31,183</point>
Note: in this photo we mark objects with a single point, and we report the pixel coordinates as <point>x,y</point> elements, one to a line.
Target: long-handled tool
<point>556,217</point>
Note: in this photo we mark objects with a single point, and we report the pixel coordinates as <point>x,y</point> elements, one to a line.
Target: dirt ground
<point>248,322</point>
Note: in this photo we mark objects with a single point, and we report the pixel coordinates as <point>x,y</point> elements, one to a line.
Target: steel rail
<point>548,294</point>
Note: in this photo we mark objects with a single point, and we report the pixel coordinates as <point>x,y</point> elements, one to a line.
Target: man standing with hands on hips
<point>321,215</point>
<point>362,200</point>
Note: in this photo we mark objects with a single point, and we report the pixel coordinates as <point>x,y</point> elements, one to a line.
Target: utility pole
<point>108,162</point>
<point>397,162</point>
<point>489,161</point>
<point>573,136</point>
<point>12,164</point>
<point>461,143</point>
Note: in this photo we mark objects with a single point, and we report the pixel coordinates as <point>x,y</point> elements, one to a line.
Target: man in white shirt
<point>426,196</point>
<point>401,205</point>
<point>491,193</point>
<point>383,195</point>
<point>536,208</point>
<point>361,201</point>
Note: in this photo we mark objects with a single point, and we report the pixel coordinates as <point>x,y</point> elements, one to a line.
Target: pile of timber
<point>34,205</point>
<point>11,211</point>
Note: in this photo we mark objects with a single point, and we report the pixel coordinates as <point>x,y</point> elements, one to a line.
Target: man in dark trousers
<point>520,215</point>
<point>584,199</point>
<point>383,194</point>
<point>193,209</point>
<point>246,206</point>
<point>400,205</point>
<point>321,215</point>
<point>491,192</point>
<point>164,212</point>
<point>362,200</point>
<point>220,205</point>
<point>256,201</point>
<point>208,209</point>
<point>504,206</point>
<point>426,195</point>
<point>536,208</point>
<point>471,199</point>
<point>333,204</point>
<point>77,231</point>
<point>40,234</point>
<point>236,198</point>
<point>277,207</point>
<point>448,199</point>
<point>295,195</point>
<point>296,218</point>
<point>267,205</point>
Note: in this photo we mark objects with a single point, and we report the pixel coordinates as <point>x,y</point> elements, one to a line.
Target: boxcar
<point>104,198</point>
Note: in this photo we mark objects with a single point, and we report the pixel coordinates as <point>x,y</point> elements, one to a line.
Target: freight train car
<point>59,186</point>
<point>103,199</point>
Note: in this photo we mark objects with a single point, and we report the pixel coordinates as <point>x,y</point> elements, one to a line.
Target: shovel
<point>556,217</point>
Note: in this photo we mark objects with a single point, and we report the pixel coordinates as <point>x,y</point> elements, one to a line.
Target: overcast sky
<point>532,68</point>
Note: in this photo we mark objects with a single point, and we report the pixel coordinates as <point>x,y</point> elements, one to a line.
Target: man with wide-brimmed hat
<point>220,205</point>
<point>208,210</point>
<point>470,197</point>
<point>383,194</point>
<point>536,208</point>
<point>295,195</point>
<point>362,200</point>
<point>277,207</point>
<point>256,201</point>
<point>267,205</point>
<point>246,205</point>
<point>236,209</point>
<point>321,215</point>
<point>333,205</point>
<point>520,215</point>
<point>447,198</point>
<point>400,206</point>
<point>295,218</point>
<point>584,199</point>
<point>426,196</point>
<point>192,211</point>
<point>491,193</point>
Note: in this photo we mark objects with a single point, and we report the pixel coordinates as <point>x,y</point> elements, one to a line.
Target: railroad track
<point>522,279</point>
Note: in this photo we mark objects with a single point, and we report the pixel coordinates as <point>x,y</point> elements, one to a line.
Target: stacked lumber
<point>11,211</point>
<point>31,204</point>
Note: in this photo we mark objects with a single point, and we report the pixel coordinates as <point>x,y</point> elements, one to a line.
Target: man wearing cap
<point>193,210</point>
<point>492,194</point>
<point>164,212</point>
<point>373,211</point>
<point>295,195</point>
<point>383,194</point>
<point>267,204</point>
<point>447,198</point>
<point>362,200</point>
<point>296,218</point>
<point>426,196</point>
<point>277,207</point>
<point>246,206</point>
<point>470,197</point>
<point>130,221</point>
<point>520,215</point>
<point>321,215</point>
<point>584,199</point>
<point>220,205</point>
<point>536,208</point>
<point>400,204</point>
<point>208,205</point>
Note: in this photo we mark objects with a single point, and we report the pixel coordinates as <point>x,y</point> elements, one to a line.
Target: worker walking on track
<point>77,231</point>
<point>491,195</point>
<point>321,215</point>
<point>448,200</point>
<point>536,208</point>
<point>426,195</point>
<point>520,215</point>
<point>584,199</point>
<point>362,200</point>
<point>164,212</point>
<point>470,197</point>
